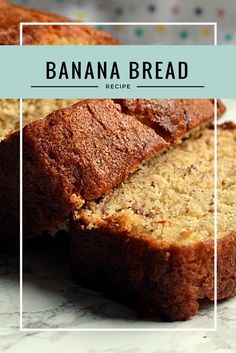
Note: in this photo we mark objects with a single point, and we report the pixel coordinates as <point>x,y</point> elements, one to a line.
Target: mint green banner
<point>117,71</point>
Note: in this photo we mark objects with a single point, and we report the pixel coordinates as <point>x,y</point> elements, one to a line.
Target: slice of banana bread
<point>11,15</point>
<point>149,242</point>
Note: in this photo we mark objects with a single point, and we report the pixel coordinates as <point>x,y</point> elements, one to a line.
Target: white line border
<point>214,24</point>
<point>215,212</point>
<point>21,214</point>
<point>214,329</point>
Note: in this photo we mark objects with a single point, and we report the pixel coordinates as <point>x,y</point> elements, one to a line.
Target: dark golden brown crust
<point>11,16</point>
<point>171,118</point>
<point>228,125</point>
<point>156,278</point>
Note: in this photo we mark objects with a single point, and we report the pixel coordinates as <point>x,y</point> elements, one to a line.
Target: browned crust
<point>220,107</point>
<point>156,278</point>
<point>228,125</point>
<point>172,118</point>
<point>11,16</point>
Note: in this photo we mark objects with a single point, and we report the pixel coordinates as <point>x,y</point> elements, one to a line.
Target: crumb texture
<point>33,109</point>
<point>227,180</point>
<point>171,197</point>
<point>9,116</point>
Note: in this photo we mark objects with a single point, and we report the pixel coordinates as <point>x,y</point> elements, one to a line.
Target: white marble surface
<point>51,299</point>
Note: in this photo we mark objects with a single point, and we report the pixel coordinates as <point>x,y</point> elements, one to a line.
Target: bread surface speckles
<point>171,197</point>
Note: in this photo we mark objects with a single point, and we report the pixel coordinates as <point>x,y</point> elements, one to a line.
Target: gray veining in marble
<point>52,300</point>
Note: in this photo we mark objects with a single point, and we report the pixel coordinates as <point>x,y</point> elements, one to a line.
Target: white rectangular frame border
<point>214,329</point>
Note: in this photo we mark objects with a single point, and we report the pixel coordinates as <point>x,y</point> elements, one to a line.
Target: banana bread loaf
<point>149,242</point>
<point>77,154</point>
<point>11,16</point>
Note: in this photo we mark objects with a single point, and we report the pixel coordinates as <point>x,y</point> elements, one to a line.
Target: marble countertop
<point>63,304</point>
<point>52,300</point>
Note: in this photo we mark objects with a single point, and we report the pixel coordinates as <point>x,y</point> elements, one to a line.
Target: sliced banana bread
<point>149,242</point>
<point>77,154</point>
